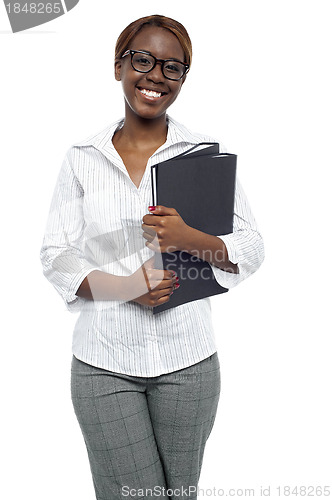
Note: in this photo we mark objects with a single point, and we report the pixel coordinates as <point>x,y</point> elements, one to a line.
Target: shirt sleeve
<point>245,245</point>
<point>62,255</point>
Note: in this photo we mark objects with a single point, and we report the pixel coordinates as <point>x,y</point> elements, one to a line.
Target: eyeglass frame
<point>161,61</point>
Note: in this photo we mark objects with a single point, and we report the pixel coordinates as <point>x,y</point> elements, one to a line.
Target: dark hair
<point>175,27</point>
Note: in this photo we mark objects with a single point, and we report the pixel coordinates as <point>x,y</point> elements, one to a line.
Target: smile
<point>152,94</point>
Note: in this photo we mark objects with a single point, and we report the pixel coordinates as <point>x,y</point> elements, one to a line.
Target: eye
<point>142,60</point>
<point>173,67</point>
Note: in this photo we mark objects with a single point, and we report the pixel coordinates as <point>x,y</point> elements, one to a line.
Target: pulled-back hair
<point>127,35</point>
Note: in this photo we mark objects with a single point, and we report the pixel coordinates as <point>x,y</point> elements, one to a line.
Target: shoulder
<point>93,144</point>
<point>101,137</point>
<point>191,136</point>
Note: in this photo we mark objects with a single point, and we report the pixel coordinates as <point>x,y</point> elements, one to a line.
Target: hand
<point>151,287</point>
<point>164,230</point>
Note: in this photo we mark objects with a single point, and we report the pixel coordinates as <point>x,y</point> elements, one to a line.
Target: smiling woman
<point>145,388</point>
<point>153,73</point>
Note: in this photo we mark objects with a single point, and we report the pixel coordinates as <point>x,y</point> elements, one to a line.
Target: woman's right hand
<point>151,287</point>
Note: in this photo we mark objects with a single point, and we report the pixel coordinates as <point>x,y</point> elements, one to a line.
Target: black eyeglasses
<point>143,62</point>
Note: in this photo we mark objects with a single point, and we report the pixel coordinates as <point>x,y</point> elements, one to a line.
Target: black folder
<point>200,185</point>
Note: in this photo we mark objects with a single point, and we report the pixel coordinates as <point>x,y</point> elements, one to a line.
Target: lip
<point>153,90</point>
<point>150,98</point>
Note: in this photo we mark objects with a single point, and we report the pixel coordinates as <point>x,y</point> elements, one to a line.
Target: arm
<point>146,286</point>
<point>99,285</point>
<point>209,248</point>
<point>233,257</point>
<point>67,267</point>
<point>244,245</point>
<point>63,260</point>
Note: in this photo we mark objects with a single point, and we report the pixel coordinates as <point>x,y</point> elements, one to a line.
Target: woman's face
<point>162,44</point>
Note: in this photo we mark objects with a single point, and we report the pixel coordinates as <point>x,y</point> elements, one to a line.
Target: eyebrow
<point>167,59</point>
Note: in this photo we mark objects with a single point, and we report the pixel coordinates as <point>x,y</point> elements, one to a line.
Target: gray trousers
<point>145,436</point>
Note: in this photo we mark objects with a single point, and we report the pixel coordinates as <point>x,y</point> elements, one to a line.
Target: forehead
<point>161,42</point>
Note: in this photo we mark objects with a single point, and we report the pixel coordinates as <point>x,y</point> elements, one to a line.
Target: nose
<point>156,75</point>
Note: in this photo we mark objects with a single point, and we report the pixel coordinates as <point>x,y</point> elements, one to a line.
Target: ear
<point>117,69</point>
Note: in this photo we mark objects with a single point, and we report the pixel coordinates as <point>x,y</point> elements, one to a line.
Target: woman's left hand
<point>164,229</point>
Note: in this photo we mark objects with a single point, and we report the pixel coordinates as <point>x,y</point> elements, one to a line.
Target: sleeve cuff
<point>228,240</point>
<point>74,302</point>
<point>224,278</point>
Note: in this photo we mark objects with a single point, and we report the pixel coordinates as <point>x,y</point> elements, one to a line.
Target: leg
<point>183,406</point>
<point>114,418</point>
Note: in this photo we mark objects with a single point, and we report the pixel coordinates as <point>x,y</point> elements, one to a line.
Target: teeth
<point>150,93</point>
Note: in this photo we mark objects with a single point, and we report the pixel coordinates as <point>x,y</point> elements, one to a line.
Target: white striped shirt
<point>95,224</point>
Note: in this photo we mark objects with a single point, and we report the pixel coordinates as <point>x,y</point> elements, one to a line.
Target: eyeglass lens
<point>173,70</point>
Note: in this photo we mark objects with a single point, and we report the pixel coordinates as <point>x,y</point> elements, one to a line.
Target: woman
<point>145,388</point>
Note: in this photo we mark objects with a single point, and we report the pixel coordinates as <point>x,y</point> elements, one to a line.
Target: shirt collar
<point>176,133</point>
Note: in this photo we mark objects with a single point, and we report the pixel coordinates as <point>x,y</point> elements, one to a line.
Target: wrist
<point>124,286</point>
<point>188,239</point>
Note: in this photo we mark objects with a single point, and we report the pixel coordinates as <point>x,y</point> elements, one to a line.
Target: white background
<point>261,83</point>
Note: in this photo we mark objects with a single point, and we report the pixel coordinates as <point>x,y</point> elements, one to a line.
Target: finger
<point>149,237</point>
<point>154,277</point>
<point>167,283</point>
<point>169,274</point>
<point>162,210</point>
<point>152,247</point>
<point>154,242</point>
<point>166,292</point>
<point>150,220</point>
<point>160,292</point>
<point>163,299</point>
<point>160,274</point>
<point>162,284</point>
<point>148,229</point>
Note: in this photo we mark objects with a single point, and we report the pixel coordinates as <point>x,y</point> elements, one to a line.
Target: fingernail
<point>177,278</point>
<point>152,208</point>
<point>176,285</point>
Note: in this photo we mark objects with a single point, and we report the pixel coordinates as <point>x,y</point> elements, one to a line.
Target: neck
<point>140,132</point>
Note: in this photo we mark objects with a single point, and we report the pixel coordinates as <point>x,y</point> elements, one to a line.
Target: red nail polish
<point>176,285</point>
<point>152,208</point>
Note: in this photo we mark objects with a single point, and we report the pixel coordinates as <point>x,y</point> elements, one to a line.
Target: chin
<point>149,114</point>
